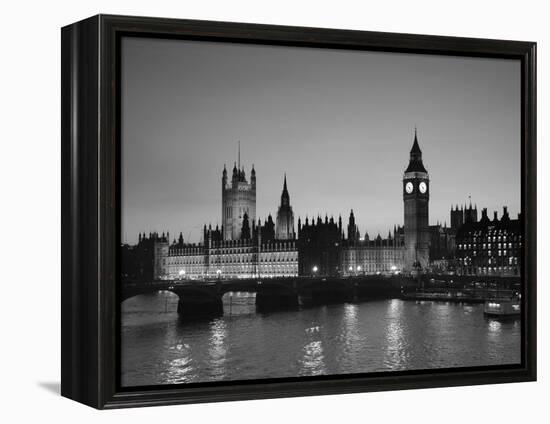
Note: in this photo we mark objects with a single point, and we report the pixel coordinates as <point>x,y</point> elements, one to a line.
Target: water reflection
<point>395,355</point>
<point>217,349</point>
<point>494,327</point>
<point>349,327</point>
<point>468,309</point>
<point>180,368</point>
<point>394,307</point>
<point>312,362</point>
<point>385,335</point>
<point>350,314</point>
<point>239,303</point>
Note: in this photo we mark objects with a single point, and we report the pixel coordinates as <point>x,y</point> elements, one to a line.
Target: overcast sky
<point>339,123</point>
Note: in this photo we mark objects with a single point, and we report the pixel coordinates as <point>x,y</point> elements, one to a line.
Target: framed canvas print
<point>254,211</point>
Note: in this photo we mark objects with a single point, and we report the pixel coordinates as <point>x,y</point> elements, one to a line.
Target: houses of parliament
<point>245,247</point>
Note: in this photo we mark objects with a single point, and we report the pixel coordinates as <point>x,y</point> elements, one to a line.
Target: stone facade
<point>229,259</point>
<point>442,242</point>
<point>416,196</point>
<point>238,199</point>
<point>378,256</point>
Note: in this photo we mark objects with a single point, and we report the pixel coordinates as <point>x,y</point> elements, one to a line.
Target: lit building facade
<point>378,256</point>
<point>231,259</point>
<point>490,247</point>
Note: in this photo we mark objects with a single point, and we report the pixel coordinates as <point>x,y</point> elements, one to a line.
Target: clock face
<point>409,187</point>
<point>423,187</point>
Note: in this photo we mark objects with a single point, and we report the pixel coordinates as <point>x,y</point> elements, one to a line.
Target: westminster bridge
<point>204,297</point>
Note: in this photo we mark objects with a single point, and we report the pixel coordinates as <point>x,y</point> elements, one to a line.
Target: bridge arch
<point>130,294</point>
<point>156,301</point>
<point>192,300</point>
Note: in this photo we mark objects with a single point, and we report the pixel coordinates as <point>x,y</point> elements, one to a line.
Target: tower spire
<point>285,197</point>
<point>285,217</point>
<point>239,155</point>
<point>415,162</point>
<point>415,151</point>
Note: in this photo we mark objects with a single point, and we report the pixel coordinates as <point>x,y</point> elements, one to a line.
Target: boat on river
<point>502,308</point>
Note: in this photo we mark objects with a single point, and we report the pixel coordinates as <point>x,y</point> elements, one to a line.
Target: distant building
<point>442,242</point>
<point>140,262</point>
<point>361,256</point>
<point>462,215</point>
<point>319,245</point>
<point>490,247</point>
<point>442,249</point>
<point>470,214</point>
<point>457,218</point>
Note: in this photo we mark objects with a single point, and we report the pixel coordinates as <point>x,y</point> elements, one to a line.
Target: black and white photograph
<point>302,212</point>
<point>277,212</point>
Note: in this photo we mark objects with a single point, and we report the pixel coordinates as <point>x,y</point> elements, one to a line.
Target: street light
<point>181,273</point>
<point>315,269</point>
<point>359,268</point>
<point>218,272</point>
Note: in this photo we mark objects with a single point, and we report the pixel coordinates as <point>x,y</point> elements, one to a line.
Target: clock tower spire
<point>416,196</point>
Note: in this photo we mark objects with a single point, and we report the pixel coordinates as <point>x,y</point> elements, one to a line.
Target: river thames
<point>383,335</point>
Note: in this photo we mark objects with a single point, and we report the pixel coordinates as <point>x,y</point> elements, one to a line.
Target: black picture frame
<point>90,140</point>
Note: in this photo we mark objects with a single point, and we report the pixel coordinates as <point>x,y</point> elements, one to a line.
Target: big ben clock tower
<point>416,196</point>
